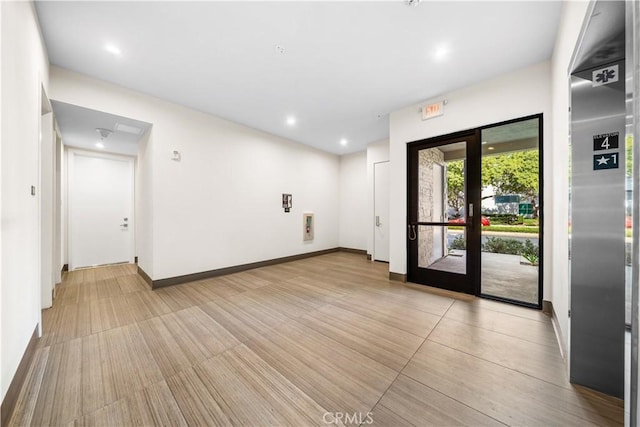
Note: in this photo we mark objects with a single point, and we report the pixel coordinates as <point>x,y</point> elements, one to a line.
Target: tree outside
<point>509,173</point>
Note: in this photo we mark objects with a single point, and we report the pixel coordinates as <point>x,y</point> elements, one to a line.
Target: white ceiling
<point>346,64</point>
<point>78,128</point>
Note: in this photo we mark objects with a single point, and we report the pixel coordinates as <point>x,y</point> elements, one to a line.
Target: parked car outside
<point>484,220</point>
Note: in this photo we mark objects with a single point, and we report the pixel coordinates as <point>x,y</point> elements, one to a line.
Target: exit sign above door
<point>433,110</point>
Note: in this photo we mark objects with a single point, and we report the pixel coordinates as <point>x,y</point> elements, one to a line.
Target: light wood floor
<point>284,345</point>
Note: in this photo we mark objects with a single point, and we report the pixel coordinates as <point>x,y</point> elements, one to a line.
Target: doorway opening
<point>100,163</point>
<point>475,211</point>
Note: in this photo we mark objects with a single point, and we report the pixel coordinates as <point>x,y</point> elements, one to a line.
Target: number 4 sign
<point>605,141</point>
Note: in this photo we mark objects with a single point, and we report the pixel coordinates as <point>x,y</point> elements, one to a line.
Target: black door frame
<point>473,174</point>
<point>469,281</point>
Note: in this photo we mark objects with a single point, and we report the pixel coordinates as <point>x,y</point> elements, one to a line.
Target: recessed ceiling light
<point>344,142</point>
<point>491,148</point>
<point>291,120</point>
<point>100,145</point>
<point>441,53</point>
<point>484,142</point>
<point>111,48</point>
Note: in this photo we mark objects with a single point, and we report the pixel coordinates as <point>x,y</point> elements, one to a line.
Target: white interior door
<point>100,209</point>
<point>381,211</point>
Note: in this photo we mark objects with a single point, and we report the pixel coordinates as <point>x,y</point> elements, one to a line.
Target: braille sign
<point>605,141</point>
<point>605,161</point>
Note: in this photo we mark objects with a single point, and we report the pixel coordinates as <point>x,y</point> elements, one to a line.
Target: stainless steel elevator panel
<point>598,228</point>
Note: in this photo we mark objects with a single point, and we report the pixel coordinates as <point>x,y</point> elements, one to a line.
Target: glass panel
<point>442,248</point>
<point>442,183</point>
<point>510,211</point>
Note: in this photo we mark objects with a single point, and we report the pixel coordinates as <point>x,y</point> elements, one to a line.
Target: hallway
<point>283,345</point>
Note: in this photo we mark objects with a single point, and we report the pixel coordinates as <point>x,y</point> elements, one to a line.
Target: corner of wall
<point>353,201</point>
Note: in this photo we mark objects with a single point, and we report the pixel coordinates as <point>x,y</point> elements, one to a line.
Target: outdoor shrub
<point>500,245</point>
<point>530,252</point>
<point>458,243</point>
<point>504,219</point>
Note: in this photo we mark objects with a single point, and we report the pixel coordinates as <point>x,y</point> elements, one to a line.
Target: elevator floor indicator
<point>605,141</point>
<point>605,161</point>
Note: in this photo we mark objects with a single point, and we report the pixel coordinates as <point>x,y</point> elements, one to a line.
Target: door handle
<point>412,232</point>
<point>377,221</point>
<point>470,210</point>
<point>124,225</point>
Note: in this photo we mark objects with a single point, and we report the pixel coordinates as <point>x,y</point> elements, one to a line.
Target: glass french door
<point>442,230</point>
<point>474,211</point>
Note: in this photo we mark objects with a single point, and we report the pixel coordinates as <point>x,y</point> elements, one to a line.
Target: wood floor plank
<point>243,317</point>
<point>421,405</point>
<point>169,355</point>
<point>133,366</point>
<point>335,376</point>
<point>294,407</point>
<point>182,339</point>
<point>98,388</point>
<point>153,405</point>
<point>196,328</point>
<point>146,304</point>
<point>387,345</point>
<point>504,323</point>
<point>103,316</point>
<point>196,402</point>
<point>383,417</point>
<point>508,396</point>
<point>177,298</point>
<point>131,283</point>
<point>108,288</point>
<point>537,360</point>
<point>24,410</point>
<point>60,398</point>
<point>407,297</point>
<point>407,319</point>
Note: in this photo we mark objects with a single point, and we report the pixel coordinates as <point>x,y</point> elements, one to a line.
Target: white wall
<point>376,152</point>
<point>353,201</point>
<point>24,69</point>
<point>221,204</point>
<point>517,94</point>
<point>573,15</point>
<point>144,204</point>
<point>46,190</point>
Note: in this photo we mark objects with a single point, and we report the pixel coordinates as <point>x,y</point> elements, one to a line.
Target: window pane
<point>442,248</point>
<point>510,211</point>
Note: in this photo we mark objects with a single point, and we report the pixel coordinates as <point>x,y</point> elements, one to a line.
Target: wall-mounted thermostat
<point>307,226</point>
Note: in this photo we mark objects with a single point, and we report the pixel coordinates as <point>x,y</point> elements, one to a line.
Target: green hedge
<point>512,228</point>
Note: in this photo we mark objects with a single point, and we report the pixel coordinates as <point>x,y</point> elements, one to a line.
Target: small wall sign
<point>605,76</point>
<point>433,110</point>
<point>605,141</point>
<point>605,161</point>
<point>287,202</point>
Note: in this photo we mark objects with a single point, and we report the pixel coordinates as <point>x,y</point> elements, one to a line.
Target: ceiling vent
<point>128,129</point>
